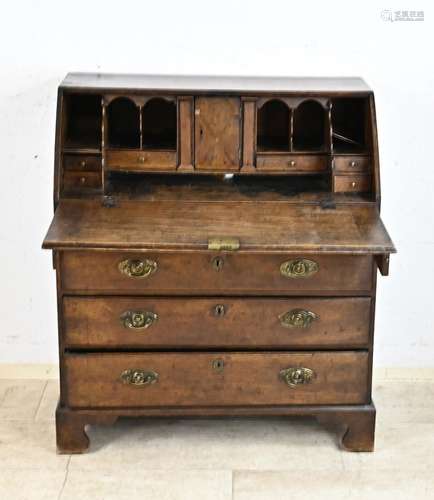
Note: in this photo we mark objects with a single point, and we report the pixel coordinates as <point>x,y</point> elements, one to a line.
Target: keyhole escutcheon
<point>218,263</point>
<point>219,310</point>
<point>218,365</point>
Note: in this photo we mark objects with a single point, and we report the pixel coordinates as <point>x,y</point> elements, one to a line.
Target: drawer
<point>80,162</point>
<point>123,160</point>
<point>214,273</point>
<point>81,181</point>
<point>292,163</point>
<point>351,183</point>
<point>215,322</point>
<point>352,164</point>
<point>215,379</point>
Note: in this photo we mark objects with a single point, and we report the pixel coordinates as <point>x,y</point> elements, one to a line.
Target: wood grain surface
<point>189,225</point>
<point>215,322</point>
<point>191,273</point>
<point>189,379</point>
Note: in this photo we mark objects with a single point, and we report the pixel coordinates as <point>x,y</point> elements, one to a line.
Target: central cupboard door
<point>217,133</point>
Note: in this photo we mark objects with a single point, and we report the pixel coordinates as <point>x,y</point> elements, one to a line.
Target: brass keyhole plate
<point>218,365</point>
<point>219,310</point>
<point>218,263</point>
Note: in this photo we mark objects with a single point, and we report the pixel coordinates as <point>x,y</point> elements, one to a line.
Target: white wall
<point>41,41</point>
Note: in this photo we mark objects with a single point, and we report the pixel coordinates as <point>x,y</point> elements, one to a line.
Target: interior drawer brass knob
<point>297,318</point>
<point>298,268</point>
<point>353,163</point>
<point>295,376</point>
<point>138,320</point>
<point>138,377</point>
<point>138,268</point>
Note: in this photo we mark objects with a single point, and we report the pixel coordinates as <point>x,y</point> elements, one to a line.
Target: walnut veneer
<point>216,243</point>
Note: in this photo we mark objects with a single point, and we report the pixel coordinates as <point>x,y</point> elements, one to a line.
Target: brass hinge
<point>229,244</point>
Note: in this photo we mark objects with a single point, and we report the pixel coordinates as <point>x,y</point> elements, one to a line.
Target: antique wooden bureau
<point>216,243</point>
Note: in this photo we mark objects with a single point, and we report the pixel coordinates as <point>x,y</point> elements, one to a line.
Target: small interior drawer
<point>351,183</point>
<point>291,163</point>
<point>78,162</point>
<point>122,160</point>
<point>352,164</point>
<point>78,181</point>
<point>215,379</point>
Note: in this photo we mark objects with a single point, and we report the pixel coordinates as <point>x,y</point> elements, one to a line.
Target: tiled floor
<point>241,459</point>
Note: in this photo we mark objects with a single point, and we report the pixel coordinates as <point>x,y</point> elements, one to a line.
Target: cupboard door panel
<point>217,133</point>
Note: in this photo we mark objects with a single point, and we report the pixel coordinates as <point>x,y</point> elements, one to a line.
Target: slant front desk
<point>216,243</point>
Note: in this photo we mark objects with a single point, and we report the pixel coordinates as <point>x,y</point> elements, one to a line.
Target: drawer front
<point>292,163</point>
<point>81,181</point>
<point>140,160</point>
<point>351,183</point>
<point>215,322</point>
<point>208,273</point>
<point>215,379</point>
<point>84,163</point>
<point>352,164</point>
